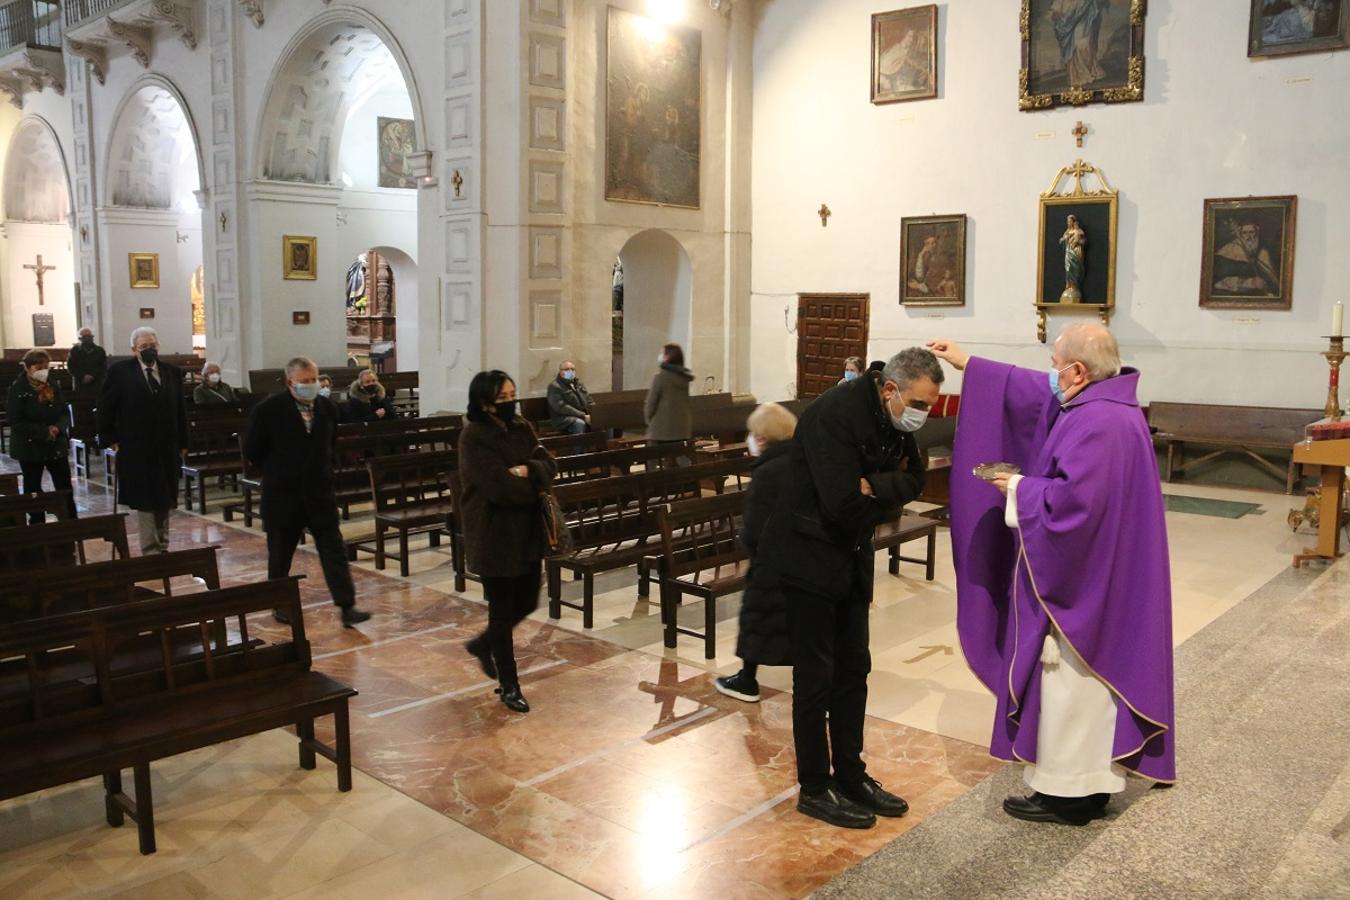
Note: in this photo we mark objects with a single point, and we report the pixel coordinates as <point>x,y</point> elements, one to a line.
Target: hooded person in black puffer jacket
<point>764,637</point>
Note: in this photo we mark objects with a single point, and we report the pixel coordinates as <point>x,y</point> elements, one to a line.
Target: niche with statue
<point>371,295</point>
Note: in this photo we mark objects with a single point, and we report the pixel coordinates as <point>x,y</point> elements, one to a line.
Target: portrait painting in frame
<point>904,55</point>
<point>933,261</point>
<point>1248,260</point>
<point>1286,27</point>
<point>653,111</point>
<point>396,142</point>
<point>144,269</point>
<point>1081,51</point>
<point>299,257</point>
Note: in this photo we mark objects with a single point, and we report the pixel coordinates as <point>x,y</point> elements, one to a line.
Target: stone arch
<point>36,181</point>
<point>658,300</point>
<point>328,68</point>
<point>148,149</point>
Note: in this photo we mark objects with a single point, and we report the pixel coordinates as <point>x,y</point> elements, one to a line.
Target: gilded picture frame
<point>1247,257</point>
<point>904,55</point>
<point>1286,28</point>
<point>144,270</point>
<point>1076,52</point>
<point>300,258</point>
<point>1077,236</point>
<point>933,261</point>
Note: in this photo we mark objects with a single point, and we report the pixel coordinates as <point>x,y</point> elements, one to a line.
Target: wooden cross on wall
<point>1079,132</point>
<point>824,213</point>
<point>39,269</point>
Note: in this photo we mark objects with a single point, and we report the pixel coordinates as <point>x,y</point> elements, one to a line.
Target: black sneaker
<point>833,807</point>
<point>351,617</point>
<point>739,686</point>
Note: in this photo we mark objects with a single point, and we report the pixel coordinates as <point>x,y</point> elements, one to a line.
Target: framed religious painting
<point>653,111</point>
<point>1248,253</point>
<point>1076,245</point>
<point>144,269</point>
<point>933,261</point>
<point>300,258</point>
<point>1081,51</point>
<point>904,55</point>
<point>1285,27</point>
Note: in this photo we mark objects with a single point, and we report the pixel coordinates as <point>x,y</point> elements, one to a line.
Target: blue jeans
<point>577,426</point>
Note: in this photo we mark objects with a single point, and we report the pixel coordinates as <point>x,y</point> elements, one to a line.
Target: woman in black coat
<point>764,636</point>
<point>503,469</point>
<point>39,424</point>
<point>367,400</point>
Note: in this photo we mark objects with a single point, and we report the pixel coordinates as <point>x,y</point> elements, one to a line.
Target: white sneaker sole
<point>748,698</point>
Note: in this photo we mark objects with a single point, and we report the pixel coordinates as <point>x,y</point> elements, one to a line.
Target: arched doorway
<point>380,302</point>
<point>40,307</point>
<point>658,287</point>
<point>151,229</point>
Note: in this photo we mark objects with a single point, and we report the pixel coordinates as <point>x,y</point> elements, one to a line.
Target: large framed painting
<point>144,268</point>
<point>1248,249</point>
<point>1284,27</point>
<point>653,111</point>
<point>1081,51</point>
<point>904,55</point>
<point>933,261</point>
<point>396,142</point>
<point>299,258</point>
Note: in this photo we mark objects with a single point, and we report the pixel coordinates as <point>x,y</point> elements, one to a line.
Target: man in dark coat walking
<point>141,415</point>
<point>291,438</point>
<point>854,465</point>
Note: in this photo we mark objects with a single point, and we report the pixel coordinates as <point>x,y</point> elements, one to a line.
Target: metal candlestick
<point>1335,355</point>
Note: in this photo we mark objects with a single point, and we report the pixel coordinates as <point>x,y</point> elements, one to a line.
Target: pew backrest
<point>79,588</point>
<point>47,545</point>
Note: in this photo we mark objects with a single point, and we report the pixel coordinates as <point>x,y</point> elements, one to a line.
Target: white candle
<point>1337,318</point>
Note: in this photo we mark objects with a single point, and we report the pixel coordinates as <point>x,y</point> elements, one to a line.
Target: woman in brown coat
<point>667,409</point>
<point>503,470</point>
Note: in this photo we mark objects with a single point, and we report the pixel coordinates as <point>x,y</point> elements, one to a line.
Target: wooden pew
<point>9,484</point>
<point>412,495</point>
<point>49,545</point>
<point>574,444</point>
<point>700,556</point>
<point>213,452</point>
<point>1231,430</point>
<point>19,510</point>
<point>65,730</point>
<point>891,536</point>
<point>77,588</point>
<point>604,463</point>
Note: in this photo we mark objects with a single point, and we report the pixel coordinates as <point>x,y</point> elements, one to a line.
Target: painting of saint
<point>904,55</point>
<point>397,141</point>
<point>299,258</point>
<point>1282,27</point>
<point>653,117</point>
<point>1081,51</point>
<point>933,261</point>
<point>1249,253</point>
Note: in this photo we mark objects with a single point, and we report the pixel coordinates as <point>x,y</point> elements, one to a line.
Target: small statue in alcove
<point>1075,258</point>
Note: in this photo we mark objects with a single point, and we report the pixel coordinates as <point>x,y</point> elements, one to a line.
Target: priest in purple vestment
<point>1064,605</point>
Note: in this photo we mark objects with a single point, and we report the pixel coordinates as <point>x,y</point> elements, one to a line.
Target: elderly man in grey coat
<point>569,403</point>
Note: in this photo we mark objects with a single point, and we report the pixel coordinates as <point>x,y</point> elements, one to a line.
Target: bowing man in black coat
<point>141,415</point>
<point>291,438</point>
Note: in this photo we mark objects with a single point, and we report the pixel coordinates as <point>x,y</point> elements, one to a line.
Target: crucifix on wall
<point>1079,132</point>
<point>40,270</point>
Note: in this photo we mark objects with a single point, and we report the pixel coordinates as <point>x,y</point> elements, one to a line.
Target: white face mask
<point>910,420</point>
<point>660,359</point>
<point>753,445</point>
<point>41,375</point>
<point>213,378</point>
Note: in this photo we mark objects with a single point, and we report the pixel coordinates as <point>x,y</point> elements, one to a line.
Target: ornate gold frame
<point>1104,195</point>
<point>293,274</point>
<point>153,280</point>
<point>959,220</point>
<point>1132,91</point>
<point>1288,203</point>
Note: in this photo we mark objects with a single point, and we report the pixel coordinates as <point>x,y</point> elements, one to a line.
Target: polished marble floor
<point>631,777</point>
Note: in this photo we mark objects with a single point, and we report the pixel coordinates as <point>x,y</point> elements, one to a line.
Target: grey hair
<point>211,365</point>
<point>300,363</point>
<point>1092,345</point>
<point>143,331</point>
<point>909,365</point>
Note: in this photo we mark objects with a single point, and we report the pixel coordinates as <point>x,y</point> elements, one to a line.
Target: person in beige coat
<point>667,408</point>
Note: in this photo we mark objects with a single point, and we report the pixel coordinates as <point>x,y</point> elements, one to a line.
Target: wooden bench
<point>59,543</point>
<point>33,509</point>
<point>613,522</point>
<point>412,495</point>
<point>213,452</point>
<point>1239,430</point>
<point>63,730</point>
<point>604,463</point>
<point>575,444</point>
<point>891,536</point>
<point>9,484</point>
<point>700,556</point>
<point>78,588</point>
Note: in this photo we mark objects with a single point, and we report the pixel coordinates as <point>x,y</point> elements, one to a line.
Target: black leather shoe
<point>351,617</point>
<point>870,794</point>
<point>1099,801</point>
<point>513,698</point>
<point>833,807</point>
<point>484,657</point>
<point>1058,810</point>
<point>281,617</point>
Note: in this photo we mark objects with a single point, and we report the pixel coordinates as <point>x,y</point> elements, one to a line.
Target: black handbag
<point>557,536</point>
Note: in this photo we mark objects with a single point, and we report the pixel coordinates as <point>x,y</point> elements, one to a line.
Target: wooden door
<point>830,328</point>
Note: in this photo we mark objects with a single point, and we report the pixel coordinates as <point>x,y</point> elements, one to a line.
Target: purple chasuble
<point>1089,555</point>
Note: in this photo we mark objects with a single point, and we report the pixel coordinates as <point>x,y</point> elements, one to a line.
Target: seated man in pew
<point>291,439</point>
<point>569,403</point>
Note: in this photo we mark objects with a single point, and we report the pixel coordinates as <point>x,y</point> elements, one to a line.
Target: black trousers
<point>282,540</point>
<point>830,664</point>
<point>59,468</point>
<point>510,600</point>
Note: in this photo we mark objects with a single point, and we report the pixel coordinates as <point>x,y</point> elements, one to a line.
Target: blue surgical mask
<point>910,419</point>
<point>569,375</point>
<point>850,375</point>
<point>1054,383</point>
<point>325,391</point>
<point>306,392</point>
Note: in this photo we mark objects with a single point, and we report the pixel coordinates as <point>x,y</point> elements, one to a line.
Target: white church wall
<point>23,242</point>
<point>1213,124</point>
<point>126,231</point>
<point>358,158</point>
